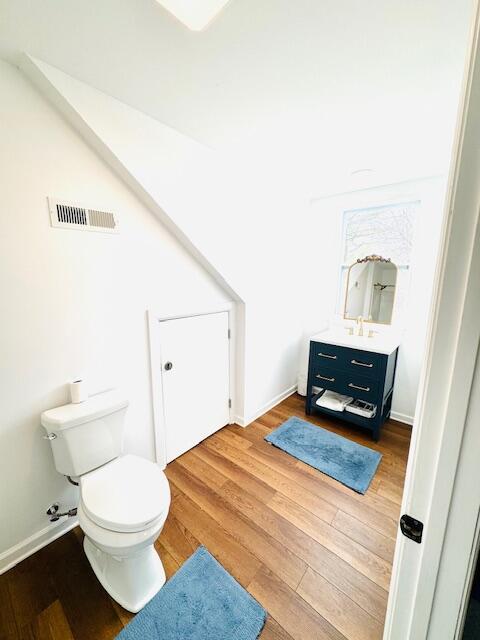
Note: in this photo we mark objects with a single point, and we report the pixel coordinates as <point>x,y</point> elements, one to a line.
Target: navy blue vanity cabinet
<point>363,375</point>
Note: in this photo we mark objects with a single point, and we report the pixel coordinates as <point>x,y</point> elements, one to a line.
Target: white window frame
<point>365,206</point>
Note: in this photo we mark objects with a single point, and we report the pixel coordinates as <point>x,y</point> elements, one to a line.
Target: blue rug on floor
<point>346,461</point>
<point>200,602</point>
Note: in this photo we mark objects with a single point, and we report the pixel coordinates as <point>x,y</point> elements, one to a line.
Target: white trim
<point>460,546</point>
<point>153,319</point>
<point>244,422</point>
<point>34,543</point>
<point>402,417</point>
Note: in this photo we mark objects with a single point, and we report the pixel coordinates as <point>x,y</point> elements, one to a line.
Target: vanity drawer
<point>354,361</point>
<point>328,379</point>
<point>346,383</point>
<point>328,355</point>
<point>360,388</point>
<point>365,363</point>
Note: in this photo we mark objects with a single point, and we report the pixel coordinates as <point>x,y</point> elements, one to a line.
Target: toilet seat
<point>127,494</point>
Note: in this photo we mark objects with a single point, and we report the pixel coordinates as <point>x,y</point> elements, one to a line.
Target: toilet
<point>124,499</point>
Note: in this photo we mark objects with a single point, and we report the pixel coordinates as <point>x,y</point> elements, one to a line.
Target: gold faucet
<point>360,325</point>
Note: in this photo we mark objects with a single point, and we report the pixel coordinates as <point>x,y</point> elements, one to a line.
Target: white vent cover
<point>74,216</point>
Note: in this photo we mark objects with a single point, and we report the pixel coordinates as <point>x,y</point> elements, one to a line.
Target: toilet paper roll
<point>78,391</point>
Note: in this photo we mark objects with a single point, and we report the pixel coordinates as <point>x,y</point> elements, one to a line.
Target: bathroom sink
<point>379,343</point>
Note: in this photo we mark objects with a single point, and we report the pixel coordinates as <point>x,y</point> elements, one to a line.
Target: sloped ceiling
<point>175,176</point>
<point>197,14</point>
<point>315,88</point>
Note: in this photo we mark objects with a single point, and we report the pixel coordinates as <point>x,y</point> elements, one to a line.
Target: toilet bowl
<point>124,499</point>
<point>123,507</point>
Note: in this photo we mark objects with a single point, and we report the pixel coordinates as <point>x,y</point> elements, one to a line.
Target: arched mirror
<point>370,290</point>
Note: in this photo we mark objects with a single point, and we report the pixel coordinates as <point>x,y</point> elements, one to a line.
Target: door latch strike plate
<point>411,528</point>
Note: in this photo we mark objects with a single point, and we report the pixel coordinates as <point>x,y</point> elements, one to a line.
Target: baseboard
<point>401,417</point>
<point>29,546</point>
<point>243,421</point>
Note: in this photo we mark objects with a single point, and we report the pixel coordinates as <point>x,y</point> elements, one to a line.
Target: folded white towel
<point>334,401</point>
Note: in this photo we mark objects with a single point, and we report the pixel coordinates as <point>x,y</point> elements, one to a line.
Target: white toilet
<point>124,499</point>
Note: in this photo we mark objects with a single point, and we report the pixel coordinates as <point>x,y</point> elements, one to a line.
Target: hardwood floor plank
<point>232,438</point>
<point>8,626</point>
<point>25,633</point>
<point>52,624</point>
<point>123,615</point>
<point>273,631</point>
<point>277,481</point>
<point>31,588</point>
<point>258,439</point>
<point>379,544</point>
<point>356,555</point>
<point>274,555</point>
<point>390,490</point>
<point>173,538</point>
<point>291,611</point>
<point>270,420</point>
<point>210,476</point>
<point>86,604</point>
<point>170,565</point>
<point>234,473</point>
<point>362,590</point>
<point>255,432</point>
<point>231,554</point>
<point>365,508</point>
<point>371,499</point>
<point>342,613</point>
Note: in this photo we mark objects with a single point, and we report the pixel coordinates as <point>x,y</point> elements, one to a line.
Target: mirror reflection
<point>370,290</point>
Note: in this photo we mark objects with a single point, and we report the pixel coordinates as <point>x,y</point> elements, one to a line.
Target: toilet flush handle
<point>50,436</point>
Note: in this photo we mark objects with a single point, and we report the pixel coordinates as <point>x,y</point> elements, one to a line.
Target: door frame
<point>445,399</point>
<point>159,422</point>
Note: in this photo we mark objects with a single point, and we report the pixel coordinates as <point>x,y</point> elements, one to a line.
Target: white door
<point>442,488</point>
<point>195,379</point>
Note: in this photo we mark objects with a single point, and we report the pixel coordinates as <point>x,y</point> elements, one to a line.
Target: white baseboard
<point>401,417</point>
<point>245,421</point>
<point>29,546</point>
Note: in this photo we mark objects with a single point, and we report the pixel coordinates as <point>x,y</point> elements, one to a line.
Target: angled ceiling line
<point>35,70</point>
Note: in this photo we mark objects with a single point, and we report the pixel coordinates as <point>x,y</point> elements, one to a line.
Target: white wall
<point>246,230</point>
<point>72,303</point>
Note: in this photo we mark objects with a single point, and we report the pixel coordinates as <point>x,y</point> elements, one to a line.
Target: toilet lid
<point>126,494</point>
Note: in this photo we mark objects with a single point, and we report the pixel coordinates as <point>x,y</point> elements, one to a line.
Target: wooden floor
<point>315,554</point>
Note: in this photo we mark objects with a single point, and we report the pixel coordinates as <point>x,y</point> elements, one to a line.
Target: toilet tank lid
<point>71,415</point>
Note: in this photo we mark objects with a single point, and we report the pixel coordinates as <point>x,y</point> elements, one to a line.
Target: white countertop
<point>385,343</point>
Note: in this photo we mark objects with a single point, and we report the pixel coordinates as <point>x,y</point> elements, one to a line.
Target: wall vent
<point>74,216</point>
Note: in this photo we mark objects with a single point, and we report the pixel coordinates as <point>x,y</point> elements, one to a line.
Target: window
<point>386,230</point>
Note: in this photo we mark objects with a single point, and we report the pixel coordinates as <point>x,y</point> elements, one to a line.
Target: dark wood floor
<point>315,554</point>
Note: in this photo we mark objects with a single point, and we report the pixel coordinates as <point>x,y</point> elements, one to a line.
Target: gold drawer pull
<point>324,378</point>
<point>354,386</point>
<point>325,355</point>
<point>362,364</point>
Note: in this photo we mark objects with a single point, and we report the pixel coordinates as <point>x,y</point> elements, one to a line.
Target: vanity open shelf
<point>366,373</point>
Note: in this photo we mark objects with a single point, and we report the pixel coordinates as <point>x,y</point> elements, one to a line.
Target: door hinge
<point>229,403</point>
<point>411,528</point>
<point>229,334</point>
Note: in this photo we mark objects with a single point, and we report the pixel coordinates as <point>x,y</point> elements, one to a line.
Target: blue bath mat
<point>346,461</point>
<point>202,601</point>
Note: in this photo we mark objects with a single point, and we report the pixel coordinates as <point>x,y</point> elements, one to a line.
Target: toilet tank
<point>86,435</point>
